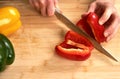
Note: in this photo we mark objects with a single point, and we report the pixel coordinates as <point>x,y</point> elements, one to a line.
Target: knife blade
<point>73,27</point>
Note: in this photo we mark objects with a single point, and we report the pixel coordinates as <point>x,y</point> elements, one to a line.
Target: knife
<point>73,27</point>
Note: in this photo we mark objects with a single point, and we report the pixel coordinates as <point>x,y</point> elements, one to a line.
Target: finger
<point>112,29</point>
<point>34,4</point>
<point>31,2</point>
<point>43,7</point>
<point>50,8</point>
<point>91,7</point>
<point>105,16</point>
<point>56,4</point>
<point>37,6</point>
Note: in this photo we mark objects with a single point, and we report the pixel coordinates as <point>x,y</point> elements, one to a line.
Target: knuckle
<point>92,4</point>
<point>49,1</point>
<point>42,3</point>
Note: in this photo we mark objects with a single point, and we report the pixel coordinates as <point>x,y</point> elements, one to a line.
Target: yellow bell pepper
<point>9,20</point>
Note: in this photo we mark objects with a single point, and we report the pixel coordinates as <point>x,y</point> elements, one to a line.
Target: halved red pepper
<point>83,24</point>
<point>90,25</point>
<point>97,29</point>
<point>70,35</point>
<point>75,47</point>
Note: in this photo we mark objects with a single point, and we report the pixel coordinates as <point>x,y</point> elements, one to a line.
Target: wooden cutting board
<point>35,41</point>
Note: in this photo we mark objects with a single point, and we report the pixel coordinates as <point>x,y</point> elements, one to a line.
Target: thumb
<point>106,15</point>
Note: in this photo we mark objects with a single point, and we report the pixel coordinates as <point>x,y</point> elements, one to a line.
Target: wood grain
<point>35,41</point>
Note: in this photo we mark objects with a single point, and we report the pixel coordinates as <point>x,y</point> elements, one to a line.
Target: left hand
<point>108,16</point>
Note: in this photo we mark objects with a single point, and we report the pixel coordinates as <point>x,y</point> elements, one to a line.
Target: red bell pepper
<point>77,47</point>
<point>83,24</point>
<point>90,25</point>
<point>97,29</point>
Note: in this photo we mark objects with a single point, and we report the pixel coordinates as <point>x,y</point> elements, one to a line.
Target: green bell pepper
<point>7,54</point>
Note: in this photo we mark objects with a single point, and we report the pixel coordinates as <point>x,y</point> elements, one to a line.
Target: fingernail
<point>100,22</point>
<point>106,34</point>
<point>108,39</point>
<point>51,12</point>
<point>44,14</point>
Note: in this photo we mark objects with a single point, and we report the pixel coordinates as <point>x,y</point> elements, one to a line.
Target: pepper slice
<point>77,48</point>
<point>7,54</point>
<point>70,35</point>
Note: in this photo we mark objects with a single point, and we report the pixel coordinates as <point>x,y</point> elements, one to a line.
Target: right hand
<point>45,7</point>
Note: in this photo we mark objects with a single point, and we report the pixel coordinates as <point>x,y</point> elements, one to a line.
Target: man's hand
<point>45,7</point>
<point>109,17</point>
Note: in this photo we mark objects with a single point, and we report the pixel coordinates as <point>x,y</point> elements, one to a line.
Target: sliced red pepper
<point>83,24</point>
<point>78,39</point>
<point>90,25</point>
<point>77,48</point>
